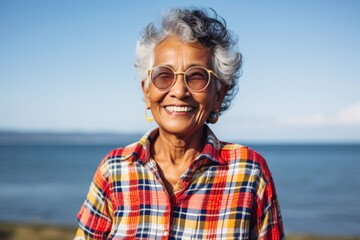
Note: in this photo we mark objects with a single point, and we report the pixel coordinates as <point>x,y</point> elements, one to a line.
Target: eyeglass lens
<point>196,78</point>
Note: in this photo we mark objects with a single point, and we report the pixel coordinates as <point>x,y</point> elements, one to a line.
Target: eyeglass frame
<point>183,73</point>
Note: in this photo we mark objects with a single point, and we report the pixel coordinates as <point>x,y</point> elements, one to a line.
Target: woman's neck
<point>177,150</point>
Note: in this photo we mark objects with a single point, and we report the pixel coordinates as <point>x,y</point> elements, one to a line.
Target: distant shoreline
<point>8,138</point>
<point>32,231</point>
<point>76,138</point>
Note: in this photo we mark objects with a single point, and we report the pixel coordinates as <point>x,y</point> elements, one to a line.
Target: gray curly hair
<point>195,26</point>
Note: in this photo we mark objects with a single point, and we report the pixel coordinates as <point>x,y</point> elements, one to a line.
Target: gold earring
<point>213,117</point>
<point>148,119</point>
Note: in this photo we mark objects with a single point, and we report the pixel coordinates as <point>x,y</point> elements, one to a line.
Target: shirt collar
<point>211,151</point>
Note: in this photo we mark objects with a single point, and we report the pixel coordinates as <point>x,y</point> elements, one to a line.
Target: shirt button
<point>166,233</point>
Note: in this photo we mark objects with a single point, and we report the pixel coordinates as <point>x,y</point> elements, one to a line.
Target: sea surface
<point>318,185</point>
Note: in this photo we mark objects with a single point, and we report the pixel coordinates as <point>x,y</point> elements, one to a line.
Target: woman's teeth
<point>178,109</point>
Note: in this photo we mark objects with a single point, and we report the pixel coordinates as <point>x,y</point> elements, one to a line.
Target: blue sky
<point>68,66</point>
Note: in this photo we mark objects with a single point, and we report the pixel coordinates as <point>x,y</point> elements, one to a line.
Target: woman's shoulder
<point>233,152</point>
<point>122,153</point>
<point>240,150</point>
<point>136,151</point>
<point>116,158</point>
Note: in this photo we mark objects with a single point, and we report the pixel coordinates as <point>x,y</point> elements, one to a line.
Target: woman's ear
<point>145,89</point>
<point>220,94</point>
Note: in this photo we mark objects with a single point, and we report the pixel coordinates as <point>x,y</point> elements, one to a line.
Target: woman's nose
<point>179,89</point>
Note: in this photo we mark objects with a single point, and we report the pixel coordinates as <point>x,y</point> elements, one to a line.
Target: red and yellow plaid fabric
<point>227,193</point>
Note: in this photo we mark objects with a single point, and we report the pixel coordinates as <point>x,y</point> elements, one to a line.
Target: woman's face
<point>179,111</point>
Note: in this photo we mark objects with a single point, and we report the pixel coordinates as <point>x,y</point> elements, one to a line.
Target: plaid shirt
<point>227,193</point>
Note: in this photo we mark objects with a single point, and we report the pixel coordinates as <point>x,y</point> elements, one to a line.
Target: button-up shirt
<point>226,193</point>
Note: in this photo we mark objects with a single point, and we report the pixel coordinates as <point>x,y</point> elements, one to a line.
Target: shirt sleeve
<point>266,221</point>
<point>95,215</point>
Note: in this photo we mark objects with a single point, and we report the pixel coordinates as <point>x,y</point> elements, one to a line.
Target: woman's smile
<point>179,109</point>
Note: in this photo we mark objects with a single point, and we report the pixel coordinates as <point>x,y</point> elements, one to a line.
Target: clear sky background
<point>68,66</point>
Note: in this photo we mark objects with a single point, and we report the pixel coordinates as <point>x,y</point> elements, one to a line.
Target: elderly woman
<point>179,181</point>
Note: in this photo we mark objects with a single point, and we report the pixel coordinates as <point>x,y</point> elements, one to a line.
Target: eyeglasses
<point>196,78</point>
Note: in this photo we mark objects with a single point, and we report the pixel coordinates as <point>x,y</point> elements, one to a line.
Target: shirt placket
<point>151,165</point>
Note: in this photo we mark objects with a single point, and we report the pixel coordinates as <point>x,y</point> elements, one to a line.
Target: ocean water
<point>318,185</point>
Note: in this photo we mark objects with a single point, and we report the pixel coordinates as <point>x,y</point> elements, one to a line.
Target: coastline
<point>33,231</point>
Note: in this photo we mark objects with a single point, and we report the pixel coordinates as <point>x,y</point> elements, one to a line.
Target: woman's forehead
<point>173,52</point>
